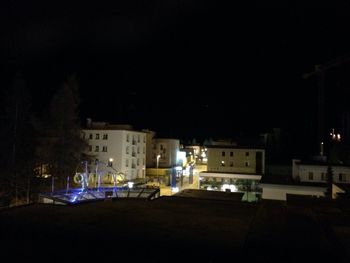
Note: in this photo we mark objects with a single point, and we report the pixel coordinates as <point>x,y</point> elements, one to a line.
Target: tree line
<point>33,146</point>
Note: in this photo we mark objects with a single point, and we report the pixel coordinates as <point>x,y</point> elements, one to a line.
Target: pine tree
<point>64,145</point>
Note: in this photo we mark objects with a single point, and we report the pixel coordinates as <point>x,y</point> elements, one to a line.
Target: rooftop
<point>178,228</point>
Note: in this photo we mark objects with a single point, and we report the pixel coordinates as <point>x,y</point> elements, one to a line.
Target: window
<point>341,177</point>
<point>231,154</point>
<point>127,149</point>
<point>127,137</point>
<point>138,149</point>
<point>144,138</point>
<point>97,148</point>
<point>323,176</point>
<point>138,161</point>
<point>247,154</point>
<point>97,137</point>
<point>126,162</point>
<point>246,164</point>
<point>223,154</point>
<point>161,146</point>
<point>90,136</point>
<point>311,176</point>
<point>105,136</point>
<point>231,163</point>
<point>138,138</point>
<point>104,149</point>
<point>90,148</point>
<point>144,149</point>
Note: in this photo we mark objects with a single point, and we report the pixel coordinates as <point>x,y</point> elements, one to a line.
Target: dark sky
<point>184,68</point>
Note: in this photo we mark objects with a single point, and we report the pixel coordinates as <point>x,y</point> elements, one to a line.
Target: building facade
<point>234,169</point>
<point>119,146</point>
<point>236,160</point>
<point>317,172</point>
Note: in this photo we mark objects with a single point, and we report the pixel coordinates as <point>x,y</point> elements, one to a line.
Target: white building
<point>280,191</point>
<point>126,148</point>
<point>317,172</point>
<point>167,150</point>
<point>235,169</point>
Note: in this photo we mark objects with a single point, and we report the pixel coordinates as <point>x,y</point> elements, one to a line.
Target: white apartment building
<point>317,172</point>
<point>126,148</point>
<point>167,150</point>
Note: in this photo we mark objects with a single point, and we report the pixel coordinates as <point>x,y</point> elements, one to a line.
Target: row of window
<point>97,136</point>
<point>341,177</point>
<point>133,150</point>
<point>105,137</point>
<point>97,148</point>
<point>246,163</point>
<point>105,149</point>
<point>133,165</point>
<point>134,139</point>
<point>223,154</point>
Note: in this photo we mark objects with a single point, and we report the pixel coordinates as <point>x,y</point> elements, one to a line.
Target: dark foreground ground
<point>176,229</point>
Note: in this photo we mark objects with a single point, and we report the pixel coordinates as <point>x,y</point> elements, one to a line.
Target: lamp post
<point>158,156</point>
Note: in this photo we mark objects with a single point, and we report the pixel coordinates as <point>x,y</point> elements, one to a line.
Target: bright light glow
<point>175,189</point>
<point>178,168</point>
<point>130,184</point>
<point>181,158</point>
<point>232,187</point>
<point>209,188</point>
<point>158,156</point>
<point>111,159</point>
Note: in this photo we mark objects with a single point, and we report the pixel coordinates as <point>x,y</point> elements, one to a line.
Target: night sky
<point>182,68</point>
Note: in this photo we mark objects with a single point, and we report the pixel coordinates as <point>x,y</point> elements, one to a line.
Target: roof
<point>235,147</point>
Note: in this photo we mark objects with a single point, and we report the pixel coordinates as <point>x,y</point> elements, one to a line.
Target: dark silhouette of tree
<point>329,192</point>
<point>63,146</point>
<point>17,143</point>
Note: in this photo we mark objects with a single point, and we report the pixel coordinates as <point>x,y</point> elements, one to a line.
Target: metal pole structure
<point>158,156</point>
<point>67,185</point>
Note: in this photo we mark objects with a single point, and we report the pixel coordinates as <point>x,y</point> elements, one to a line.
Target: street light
<point>158,156</point>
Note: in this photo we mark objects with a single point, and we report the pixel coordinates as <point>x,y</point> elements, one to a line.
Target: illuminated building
<point>120,143</point>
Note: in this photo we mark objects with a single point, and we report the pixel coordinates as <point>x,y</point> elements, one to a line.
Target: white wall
<point>279,192</point>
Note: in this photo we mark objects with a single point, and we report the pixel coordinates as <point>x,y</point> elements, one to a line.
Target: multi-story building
<point>117,145</point>
<point>234,169</point>
<point>316,172</point>
<point>166,151</point>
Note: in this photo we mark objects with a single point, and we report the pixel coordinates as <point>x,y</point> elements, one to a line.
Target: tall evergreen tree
<point>64,145</point>
<point>17,144</point>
